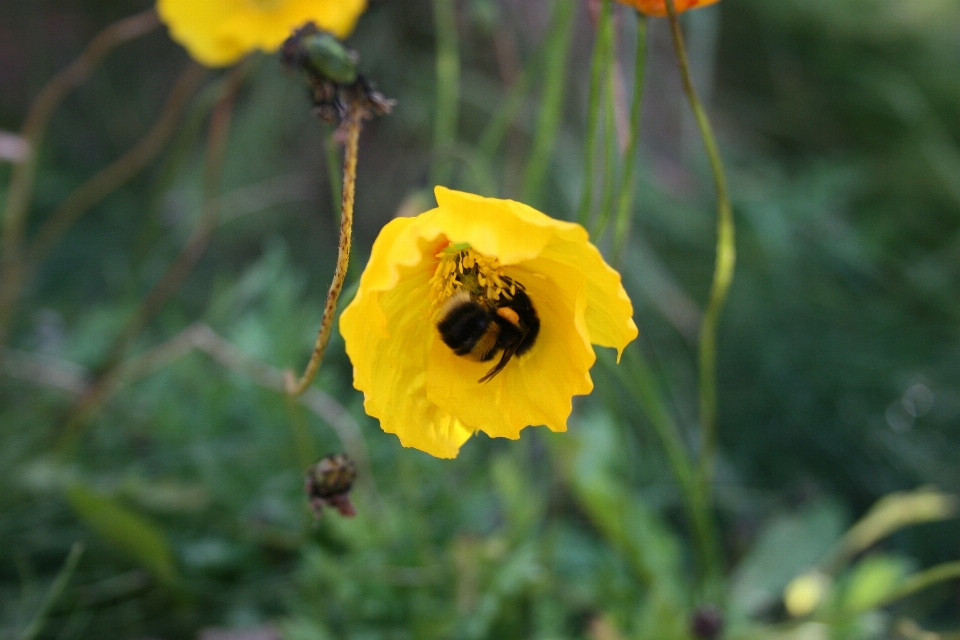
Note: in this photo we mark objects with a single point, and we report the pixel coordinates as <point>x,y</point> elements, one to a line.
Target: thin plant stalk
<point>175,275</point>
<point>611,156</point>
<point>110,178</point>
<point>35,125</point>
<point>53,594</point>
<point>597,71</point>
<point>695,501</point>
<point>448,88</point>
<point>551,106</point>
<point>352,126</point>
<point>920,581</point>
<point>500,124</point>
<point>723,269</point>
<point>628,181</point>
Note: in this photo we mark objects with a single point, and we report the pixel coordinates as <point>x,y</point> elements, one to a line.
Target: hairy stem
<point>352,131</point>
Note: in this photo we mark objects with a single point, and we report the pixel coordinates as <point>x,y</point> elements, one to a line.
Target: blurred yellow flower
<point>659,8</point>
<point>220,32</point>
<point>522,296</point>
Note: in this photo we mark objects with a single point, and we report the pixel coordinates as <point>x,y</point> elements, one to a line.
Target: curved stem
<point>922,580</point>
<point>34,128</point>
<point>171,280</point>
<point>108,179</point>
<point>597,68</point>
<point>723,268</point>
<point>621,229</point>
<point>352,135</point>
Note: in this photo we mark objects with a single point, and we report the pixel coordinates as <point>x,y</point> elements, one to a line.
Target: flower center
<point>463,269</point>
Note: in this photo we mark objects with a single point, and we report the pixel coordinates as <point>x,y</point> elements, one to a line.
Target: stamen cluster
<point>460,268</point>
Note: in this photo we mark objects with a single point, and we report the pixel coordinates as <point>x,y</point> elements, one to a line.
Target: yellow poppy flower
<point>659,8</point>
<point>494,259</point>
<point>220,32</point>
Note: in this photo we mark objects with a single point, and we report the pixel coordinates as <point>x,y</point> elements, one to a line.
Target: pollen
<point>460,268</point>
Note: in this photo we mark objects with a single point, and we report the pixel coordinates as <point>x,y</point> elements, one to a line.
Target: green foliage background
<point>839,346</point>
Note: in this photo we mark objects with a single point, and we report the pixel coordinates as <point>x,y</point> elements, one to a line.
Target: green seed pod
<point>327,56</point>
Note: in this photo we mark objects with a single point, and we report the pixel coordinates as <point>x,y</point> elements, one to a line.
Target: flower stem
<point>448,88</point>
<point>696,502</point>
<point>352,141</point>
<point>621,229</point>
<point>34,128</point>
<point>551,106</point>
<point>922,580</point>
<point>597,70</point>
<point>723,269</point>
<point>610,155</point>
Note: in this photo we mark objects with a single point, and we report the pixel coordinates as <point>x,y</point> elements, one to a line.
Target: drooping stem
<point>352,126</point>
<point>597,71</point>
<point>922,580</point>
<point>723,269</point>
<point>171,280</point>
<point>621,229</point>
<point>107,180</point>
<point>34,127</point>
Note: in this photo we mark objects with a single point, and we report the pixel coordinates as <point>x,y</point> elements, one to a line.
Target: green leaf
<point>127,530</point>
<point>873,579</point>
<point>787,546</point>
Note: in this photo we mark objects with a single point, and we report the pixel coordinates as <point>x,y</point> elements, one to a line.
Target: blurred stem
<point>34,127</point>
<point>151,304</point>
<point>551,106</point>
<point>723,269</point>
<point>124,168</point>
<point>920,581</point>
<point>597,69</point>
<point>448,87</point>
<point>610,155</point>
<point>352,141</point>
<point>303,445</point>
<point>696,501</point>
<point>628,182</point>
<point>500,124</point>
<point>53,594</point>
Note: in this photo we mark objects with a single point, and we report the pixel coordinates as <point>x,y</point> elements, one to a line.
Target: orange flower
<point>658,8</point>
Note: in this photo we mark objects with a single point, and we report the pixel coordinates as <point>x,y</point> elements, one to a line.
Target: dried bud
<point>328,483</point>
<point>331,70</point>
<point>707,623</point>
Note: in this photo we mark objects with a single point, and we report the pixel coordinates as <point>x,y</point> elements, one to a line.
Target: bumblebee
<point>479,329</point>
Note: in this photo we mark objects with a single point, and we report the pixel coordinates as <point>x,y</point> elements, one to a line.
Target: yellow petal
<point>390,357</point>
<point>609,311</point>
<point>220,32</point>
